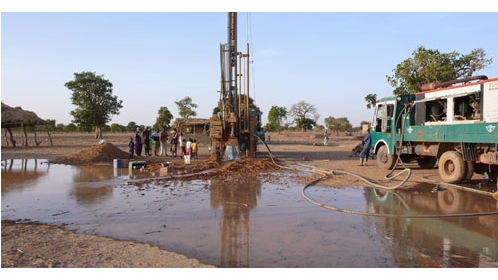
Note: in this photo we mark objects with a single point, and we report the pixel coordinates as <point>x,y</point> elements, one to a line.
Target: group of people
<point>159,141</point>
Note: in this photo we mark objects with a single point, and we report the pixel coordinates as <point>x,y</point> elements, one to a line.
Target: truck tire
<point>450,201</point>
<point>469,171</point>
<point>426,162</point>
<point>384,159</point>
<point>451,167</point>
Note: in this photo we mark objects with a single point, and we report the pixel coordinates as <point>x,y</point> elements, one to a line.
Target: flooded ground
<point>258,222</point>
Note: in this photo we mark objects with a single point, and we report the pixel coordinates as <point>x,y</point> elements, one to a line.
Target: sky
<point>154,56</point>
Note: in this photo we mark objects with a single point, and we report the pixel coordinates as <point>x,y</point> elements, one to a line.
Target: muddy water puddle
<point>252,222</point>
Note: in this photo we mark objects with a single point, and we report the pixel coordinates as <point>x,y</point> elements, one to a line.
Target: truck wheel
<point>384,159</point>
<point>451,167</point>
<point>426,162</point>
<point>449,201</point>
<point>469,171</point>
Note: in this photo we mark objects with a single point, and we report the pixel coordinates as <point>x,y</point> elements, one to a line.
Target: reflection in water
<point>257,223</point>
<point>93,173</point>
<point>87,195</point>
<point>86,183</point>
<point>20,172</point>
<point>237,201</point>
<point>467,241</point>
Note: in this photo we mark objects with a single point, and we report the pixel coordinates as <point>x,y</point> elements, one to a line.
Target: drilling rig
<point>236,125</point>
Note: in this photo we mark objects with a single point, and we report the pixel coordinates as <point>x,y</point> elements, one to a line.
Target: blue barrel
<point>117,163</point>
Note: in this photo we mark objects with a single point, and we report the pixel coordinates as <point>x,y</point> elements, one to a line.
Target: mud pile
<point>244,167</point>
<point>100,153</point>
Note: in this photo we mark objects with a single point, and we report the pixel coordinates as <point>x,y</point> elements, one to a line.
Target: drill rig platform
<point>235,126</point>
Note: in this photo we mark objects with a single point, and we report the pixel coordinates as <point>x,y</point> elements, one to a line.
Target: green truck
<point>452,124</point>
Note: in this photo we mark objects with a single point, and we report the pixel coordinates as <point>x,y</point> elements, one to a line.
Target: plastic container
<point>117,163</point>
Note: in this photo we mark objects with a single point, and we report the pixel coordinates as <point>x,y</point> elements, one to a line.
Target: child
<point>188,151</point>
<point>194,149</point>
<point>131,147</point>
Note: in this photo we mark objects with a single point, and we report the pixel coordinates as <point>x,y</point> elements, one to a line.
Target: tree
<point>59,127</point>
<point>371,100</point>
<point>115,127</point>
<point>50,124</point>
<point>70,128</point>
<point>95,104</point>
<point>305,123</point>
<point>302,113</point>
<point>338,124</point>
<point>276,115</point>
<point>163,119</point>
<point>131,127</point>
<point>185,107</point>
<point>432,66</point>
<point>216,110</point>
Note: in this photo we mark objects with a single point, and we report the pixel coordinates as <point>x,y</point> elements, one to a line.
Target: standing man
<point>146,140</point>
<point>365,153</point>
<point>183,142</point>
<point>174,142</point>
<point>138,143</point>
<point>163,139</point>
<point>155,136</point>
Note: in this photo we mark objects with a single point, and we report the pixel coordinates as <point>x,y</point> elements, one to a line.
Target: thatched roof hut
<point>17,117</point>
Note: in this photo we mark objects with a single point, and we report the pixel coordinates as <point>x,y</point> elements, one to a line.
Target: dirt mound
<point>244,167</point>
<point>100,153</point>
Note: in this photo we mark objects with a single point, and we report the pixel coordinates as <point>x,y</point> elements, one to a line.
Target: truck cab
<point>390,116</point>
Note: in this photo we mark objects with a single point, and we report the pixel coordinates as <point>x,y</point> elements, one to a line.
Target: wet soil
<point>38,245</point>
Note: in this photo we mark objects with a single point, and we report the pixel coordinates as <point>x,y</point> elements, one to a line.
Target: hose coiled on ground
<point>327,172</point>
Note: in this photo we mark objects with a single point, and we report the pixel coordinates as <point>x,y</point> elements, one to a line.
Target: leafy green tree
<point>371,100</point>
<point>303,113</point>
<point>186,107</point>
<point>252,103</point>
<point>95,104</point>
<point>83,128</point>
<point>70,128</point>
<point>131,127</point>
<point>51,125</point>
<point>338,124</point>
<point>116,127</point>
<point>432,66</point>
<point>216,110</point>
<point>305,123</point>
<point>163,119</point>
<point>276,116</point>
<point>60,127</point>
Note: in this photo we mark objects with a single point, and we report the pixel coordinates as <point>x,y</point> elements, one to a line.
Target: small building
<point>16,117</point>
<point>192,126</point>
